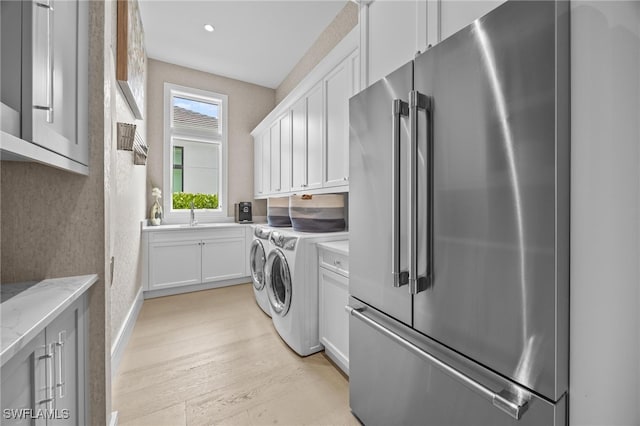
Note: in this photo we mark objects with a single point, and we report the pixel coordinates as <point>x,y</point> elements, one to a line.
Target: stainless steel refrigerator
<point>459,228</point>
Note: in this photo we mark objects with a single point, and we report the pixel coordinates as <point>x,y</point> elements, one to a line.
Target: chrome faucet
<point>193,220</point>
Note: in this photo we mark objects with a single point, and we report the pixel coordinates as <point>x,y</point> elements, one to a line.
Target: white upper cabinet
<point>308,131</point>
<point>45,104</point>
<point>393,32</point>
<point>274,166</point>
<point>266,162</point>
<point>315,118</point>
<point>389,36</point>
<point>456,14</point>
<point>257,167</point>
<point>339,86</point>
<point>285,152</point>
<point>299,145</point>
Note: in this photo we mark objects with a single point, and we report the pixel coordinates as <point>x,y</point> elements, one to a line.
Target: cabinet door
<point>391,37</point>
<point>55,86</point>
<point>456,14</point>
<point>275,157</point>
<point>314,137</point>
<point>337,92</point>
<point>299,145</point>
<point>24,383</point>
<point>65,337</point>
<point>285,153</point>
<point>266,162</point>
<point>223,259</point>
<point>257,166</point>
<point>10,61</point>
<point>174,264</point>
<point>334,320</point>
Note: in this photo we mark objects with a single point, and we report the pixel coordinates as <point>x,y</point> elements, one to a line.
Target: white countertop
<point>341,247</point>
<point>27,313</point>
<point>185,226</point>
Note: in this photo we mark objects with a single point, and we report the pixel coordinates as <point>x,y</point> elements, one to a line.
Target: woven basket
<point>278,212</point>
<point>317,213</point>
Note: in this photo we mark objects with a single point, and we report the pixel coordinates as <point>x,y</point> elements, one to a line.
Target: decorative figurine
<point>156,208</point>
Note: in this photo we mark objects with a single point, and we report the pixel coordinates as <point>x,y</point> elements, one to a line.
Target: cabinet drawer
<point>196,234</point>
<point>334,261</point>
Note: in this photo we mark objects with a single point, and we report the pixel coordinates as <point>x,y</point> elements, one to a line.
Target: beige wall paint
<point>341,25</point>
<point>248,105</point>
<point>56,225</point>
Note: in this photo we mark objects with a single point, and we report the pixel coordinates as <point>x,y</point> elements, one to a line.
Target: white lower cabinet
<point>174,263</point>
<point>223,259</point>
<point>46,379</point>
<point>180,258</point>
<point>333,282</point>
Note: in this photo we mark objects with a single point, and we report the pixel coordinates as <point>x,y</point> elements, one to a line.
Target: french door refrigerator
<point>459,228</point>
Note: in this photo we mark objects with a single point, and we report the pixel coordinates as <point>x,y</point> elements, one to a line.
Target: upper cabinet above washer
<point>308,132</point>
<point>44,90</point>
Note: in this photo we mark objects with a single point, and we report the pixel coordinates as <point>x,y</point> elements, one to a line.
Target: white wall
<point>605,231</point>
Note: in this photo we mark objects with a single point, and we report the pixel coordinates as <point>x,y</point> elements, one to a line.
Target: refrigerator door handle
<point>400,278</point>
<point>505,400</point>
<point>417,102</point>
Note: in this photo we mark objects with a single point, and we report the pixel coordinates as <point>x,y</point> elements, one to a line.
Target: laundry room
<point>331,212</point>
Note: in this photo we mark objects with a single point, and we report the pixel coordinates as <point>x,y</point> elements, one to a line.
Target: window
<point>195,152</point>
<point>178,174</point>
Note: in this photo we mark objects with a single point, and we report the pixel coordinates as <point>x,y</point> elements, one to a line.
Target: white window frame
<point>202,215</point>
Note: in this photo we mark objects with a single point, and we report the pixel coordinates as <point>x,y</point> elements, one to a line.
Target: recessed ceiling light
<point>209,28</point>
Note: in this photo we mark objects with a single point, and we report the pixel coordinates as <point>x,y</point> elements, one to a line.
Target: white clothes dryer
<point>292,286</point>
<point>258,253</point>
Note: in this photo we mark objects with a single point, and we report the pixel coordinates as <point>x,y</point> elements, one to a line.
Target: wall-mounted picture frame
<point>130,55</point>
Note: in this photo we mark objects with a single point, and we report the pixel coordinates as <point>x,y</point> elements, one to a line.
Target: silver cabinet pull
<point>417,102</point>
<point>50,46</point>
<point>49,396</point>
<point>60,358</point>
<point>499,400</point>
<point>400,109</point>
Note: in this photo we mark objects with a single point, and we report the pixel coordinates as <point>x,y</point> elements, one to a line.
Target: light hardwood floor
<point>213,357</point>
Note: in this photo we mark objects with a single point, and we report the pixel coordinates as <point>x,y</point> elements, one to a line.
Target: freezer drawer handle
<point>400,278</point>
<point>499,399</point>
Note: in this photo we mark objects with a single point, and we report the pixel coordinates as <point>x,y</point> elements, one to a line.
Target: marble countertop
<point>341,247</point>
<point>186,226</point>
<point>28,312</point>
<point>7,291</point>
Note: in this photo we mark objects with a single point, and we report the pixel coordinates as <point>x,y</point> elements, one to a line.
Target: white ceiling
<point>254,41</point>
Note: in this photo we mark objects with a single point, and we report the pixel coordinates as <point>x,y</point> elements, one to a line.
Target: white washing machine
<point>260,248</point>
<point>292,285</point>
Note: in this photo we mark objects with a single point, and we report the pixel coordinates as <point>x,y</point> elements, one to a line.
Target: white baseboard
<point>120,343</point>
<point>195,287</point>
<point>113,421</point>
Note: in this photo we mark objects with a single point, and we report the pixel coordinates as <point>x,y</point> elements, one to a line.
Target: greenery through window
<point>196,137</point>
